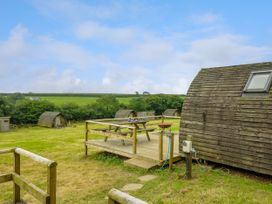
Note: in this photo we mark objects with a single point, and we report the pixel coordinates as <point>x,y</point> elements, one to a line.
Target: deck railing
<point>109,134</point>
<point>162,117</point>
<point>48,197</point>
<point>110,122</point>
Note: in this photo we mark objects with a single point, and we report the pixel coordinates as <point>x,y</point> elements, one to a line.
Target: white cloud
<point>176,67</point>
<point>155,50</point>
<point>74,10</point>
<point>15,45</point>
<point>52,81</point>
<point>223,50</point>
<point>148,63</point>
<point>106,81</point>
<point>92,30</point>
<point>64,53</point>
<point>206,18</point>
<point>12,52</point>
<point>41,63</point>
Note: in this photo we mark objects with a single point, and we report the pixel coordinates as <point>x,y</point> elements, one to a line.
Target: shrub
<point>74,112</point>
<point>15,97</point>
<point>28,112</point>
<point>158,103</point>
<point>5,106</point>
<point>105,107</point>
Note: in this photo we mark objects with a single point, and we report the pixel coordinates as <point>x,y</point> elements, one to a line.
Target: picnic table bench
<point>136,123</point>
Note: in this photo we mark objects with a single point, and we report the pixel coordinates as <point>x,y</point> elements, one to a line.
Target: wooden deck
<point>148,150</point>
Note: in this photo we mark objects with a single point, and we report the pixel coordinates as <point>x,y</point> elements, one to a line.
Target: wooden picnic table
<point>118,129</point>
<point>136,124</point>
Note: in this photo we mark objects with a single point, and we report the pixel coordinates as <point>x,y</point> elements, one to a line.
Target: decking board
<point>145,149</point>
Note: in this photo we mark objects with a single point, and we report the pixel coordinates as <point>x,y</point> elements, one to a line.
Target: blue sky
<point>126,46</point>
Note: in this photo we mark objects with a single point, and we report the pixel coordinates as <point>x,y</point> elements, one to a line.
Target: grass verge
<point>87,180</point>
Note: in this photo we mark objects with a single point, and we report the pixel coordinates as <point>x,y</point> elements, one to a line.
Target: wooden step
<point>141,163</point>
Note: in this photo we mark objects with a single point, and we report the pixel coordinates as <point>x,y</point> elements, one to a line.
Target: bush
<point>28,112</point>
<point>105,107</point>
<point>5,107</point>
<point>13,98</point>
<point>138,104</point>
<point>158,103</point>
<point>74,112</point>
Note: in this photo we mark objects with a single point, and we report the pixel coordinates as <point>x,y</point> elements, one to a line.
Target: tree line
<point>22,110</point>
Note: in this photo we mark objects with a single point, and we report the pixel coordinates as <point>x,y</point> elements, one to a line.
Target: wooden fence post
<point>52,182</point>
<point>161,145</point>
<point>86,138</point>
<point>171,151</point>
<point>135,141</point>
<point>188,158</point>
<point>17,169</point>
<point>162,119</point>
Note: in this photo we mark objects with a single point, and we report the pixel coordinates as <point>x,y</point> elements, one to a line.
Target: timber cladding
<point>226,125</point>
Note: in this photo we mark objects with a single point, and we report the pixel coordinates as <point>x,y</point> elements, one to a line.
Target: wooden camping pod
<point>227,125</point>
<point>146,114</point>
<point>125,113</point>
<point>52,120</point>
<point>171,112</point>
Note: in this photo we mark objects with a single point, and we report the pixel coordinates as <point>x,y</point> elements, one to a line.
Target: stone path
<point>137,186</point>
<point>147,178</point>
<point>132,187</point>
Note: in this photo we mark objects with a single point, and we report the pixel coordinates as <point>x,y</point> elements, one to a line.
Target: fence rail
<point>46,197</point>
<point>143,117</point>
<point>119,197</point>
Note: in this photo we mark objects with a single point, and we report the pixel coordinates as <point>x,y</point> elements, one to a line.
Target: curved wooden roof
<point>145,113</point>
<point>171,112</point>
<point>228,127</point>
<point>125,113</point>
<point>47,118</point>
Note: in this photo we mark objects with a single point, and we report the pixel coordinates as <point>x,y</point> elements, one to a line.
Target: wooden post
<point>135,141</point>
<point>86,138</point>
<point>171,151</point>
<point>16,188</point>
<point>52,182</point>
<point>161,145</point>
<point>188,158</point>
<point>162,119</point>
<point>146,132</point>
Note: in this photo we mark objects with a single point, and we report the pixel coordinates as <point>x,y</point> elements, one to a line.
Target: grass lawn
<point>80,100</point>
<point>87,180</point>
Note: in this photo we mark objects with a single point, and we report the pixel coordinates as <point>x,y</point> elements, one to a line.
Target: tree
<point>106,107</point>
<point>138,104</point>
<point>158,103</point>
<point>28,112</point>
<point>15,97</point>
<point>5,106</point>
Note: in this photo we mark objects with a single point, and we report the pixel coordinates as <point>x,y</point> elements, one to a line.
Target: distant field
<point>80,100</point>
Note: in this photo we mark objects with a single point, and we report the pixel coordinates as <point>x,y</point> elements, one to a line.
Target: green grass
<point>87,180</point>
<point>80,100</point>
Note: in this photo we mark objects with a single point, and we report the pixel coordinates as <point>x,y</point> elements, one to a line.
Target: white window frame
<point>267,85</point>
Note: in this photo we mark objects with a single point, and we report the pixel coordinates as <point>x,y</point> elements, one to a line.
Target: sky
<point>124,46</point>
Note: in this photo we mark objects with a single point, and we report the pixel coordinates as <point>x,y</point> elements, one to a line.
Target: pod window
<point>259,82</point>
